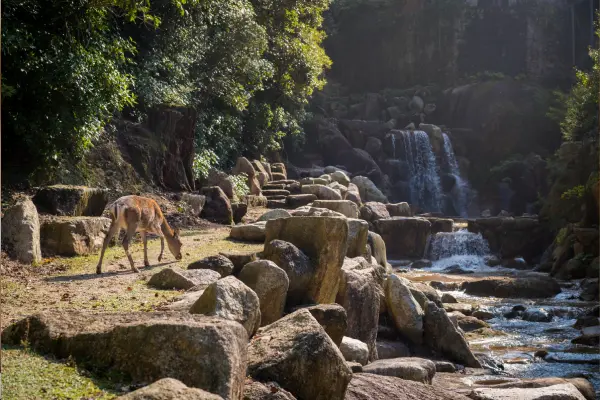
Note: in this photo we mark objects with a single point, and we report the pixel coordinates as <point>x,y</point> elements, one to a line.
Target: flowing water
<point>460,248</point>
<point>461,190</point>
<point>425,186</point>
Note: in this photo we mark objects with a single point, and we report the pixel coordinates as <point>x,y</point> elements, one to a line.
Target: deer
<point>140,214</point>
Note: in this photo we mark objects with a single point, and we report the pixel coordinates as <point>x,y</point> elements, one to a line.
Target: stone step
<point>270,186</point>
<point>269,193</point>
<point>276,197</point>
<point>299,200</point>
<point>276,204</point>
<point>283,181</point>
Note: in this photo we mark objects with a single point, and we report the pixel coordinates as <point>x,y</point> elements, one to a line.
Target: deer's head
<point>175,244</point>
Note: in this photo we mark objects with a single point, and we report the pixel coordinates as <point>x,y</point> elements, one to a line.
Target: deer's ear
<point>176,232</point>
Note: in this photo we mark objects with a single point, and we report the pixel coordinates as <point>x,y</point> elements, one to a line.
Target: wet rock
<point>483,315</point>
<point>445,286</point>
<point>333,318</point>
<point>72,236</point>
<point>457,270</point>
<point>169,389</point>
<point>464,308</point>
<point>367,189</point>
<point>296,265</point>
<point>559,392</point>
<point>217,208</point>
<point>525,287</point>
<point>585,321</point>
<point>72,201</point>
<point>354,350</point>
<point>254,390</point>
<point>405,311</point>
<point>299,200</point>
<point>404,237</point>
<point>590,336</point>
<point>489,362</point>
<point>345,207</point>
<point>145,345</point>
<point>218,263</point>
<point>270,283</point>
<point>420,264</point>
<point>442,336</point>
<point>399,209</point>
<point>582,385</point>
<point>372,211</point>
<point>444,366</point>
<point>537,315</point>
<point>365,386</point>
<point>391,349</point>
<point>590,289</point>
<point>179,279</point>
<point>324,240</point>
<point>448,298</point>
<point>21,231</point>
<point>296,352</point>
<point>515,263</point>
<point>322,192</point>
<point>413,369</point>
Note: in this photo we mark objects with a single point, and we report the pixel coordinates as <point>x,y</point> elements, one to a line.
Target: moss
<point>27,375</point>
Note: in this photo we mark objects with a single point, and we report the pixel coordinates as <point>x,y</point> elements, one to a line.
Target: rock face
<point>21,231</point>
<point>71,201</point>
<point>376,387</point>
<point>296,265</point>
<point>333,318</point>
<point>525,287</point>
<point>270,283</point>
<point>73,236</point>
<point>398,209</point>
<point>218,263</point>
<point>403,236</point>
<point>412,369</point>
<point>359,294</point>
<point>169,389</point>
<point>345,207</point>
<point>254,390</point>
<point>217,208</point>
<point>324,241</point>
<point>565,391</point>
<point>354,350</point>
<point>297,353</point>
<point>203,352</point>
<point>367,189</point>
<point>404,308</point>
<point>249,232</point>
<point>229,298</point>
<point>378,249</point>
<point>442,336</point>
<point>358,235</point>
<point>179,279</point>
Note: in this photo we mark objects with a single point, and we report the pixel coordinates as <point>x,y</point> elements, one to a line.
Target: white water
<point>425,187</point>
<point>462,248</point>
<point>461,189</point>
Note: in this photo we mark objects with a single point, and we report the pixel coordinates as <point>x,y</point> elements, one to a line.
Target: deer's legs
<point>131,229</point>
<point>145,241</point>
<point>112,230</point>
<point>158,231</point>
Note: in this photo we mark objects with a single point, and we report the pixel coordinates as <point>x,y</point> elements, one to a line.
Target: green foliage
<point>581,113</point>
<point>240,185</point>
<point>204,162</point>
<point>575,192</point>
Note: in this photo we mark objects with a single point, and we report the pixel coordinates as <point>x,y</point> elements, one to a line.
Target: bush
<point>240,185</point>
<point>204,162</point>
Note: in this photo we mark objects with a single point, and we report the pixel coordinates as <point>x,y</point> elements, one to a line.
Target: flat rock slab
<point>365,386</point>
<point>72,201</point>
<point>254,232</point>
<point>169,389</point>
<point>203,352</point>
<point>565,391</point>
<point>409,368</point>
<point>180,279</point>
<point>404,236</point>
<point>525,287</point>
<point>72,236</point>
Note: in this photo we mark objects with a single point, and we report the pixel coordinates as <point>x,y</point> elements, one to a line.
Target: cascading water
<point>462,248</point>
<point>425,187</point>
<point>393,146</point>
<point>461,189</point>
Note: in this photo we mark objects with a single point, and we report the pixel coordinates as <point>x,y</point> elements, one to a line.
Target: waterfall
<point>425,187</point>
<point>394,146</point>
<point>462,248</point>
<point>461,190</point>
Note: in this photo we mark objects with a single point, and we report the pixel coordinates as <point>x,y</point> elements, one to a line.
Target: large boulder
<point>404,309</point>
<point>72,236</point>
<point>254,232</point>
<point>229,298</point>
<point>354,350</point>
<point>180,279</point>
<point>274,214</point>
<point>583,385</point>
<point>520,287</point>
<point>244,166</point>
<point>71,201</point>
<point>399,209</point>
<point>441,335</point>
<point>322,192</point>
<point>203,352</point>
<point>222,180</point>
<point>564,391</point>
<point>195,201</point>
<point>218,263</point>
<point>217,208</point>
<point>324,240</point>
<point>365,386</point>
<point>372,211</point>
<point>409,368</point>
<point>358,236</point>
<point>440,224</point>
<point>169,389</point>
<point>254,390</point>
<point>21,231</point>
<point>404,237</point>
<point>333,318</point>
<point>270,283</point>
<point>367,189</point>
<point>340,177</point>
<point>345,207</point>
<point>297,353</point>
<point>353,194</point>
<point>296,265</point>
<point>378,250</point>
<point>359,293</point>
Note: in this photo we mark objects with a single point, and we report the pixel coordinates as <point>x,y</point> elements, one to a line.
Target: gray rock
<point>296,265</point>
<point>21,231</point>
<point>354,350</point>
<point>444,366</point>
<point>180,279</point>
<point>358,235</point>
<point>464,308</point>
<point>322,192</point>
<point>404,237</point>
<point>409,368</point>
<point>218,263</point>
<point>254,232</point>
<point>565,391</point>
<point>378,250</point>
<point>367,189</point>
<point>537,315</point>
<point>169,389</point>
<point>340,177</point>
<point>333,318</point>
<point>254,390</point>
<point>274,214</point>
<point>392,349</point>
<point>405,311</point>
<point>72,236</point>
<point>448,298</point>
<point>344,207</point>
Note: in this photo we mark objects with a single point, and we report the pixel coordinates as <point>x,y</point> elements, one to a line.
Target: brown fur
<point>140,214</point>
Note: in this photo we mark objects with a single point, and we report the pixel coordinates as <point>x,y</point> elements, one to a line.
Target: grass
<point>27,375</point>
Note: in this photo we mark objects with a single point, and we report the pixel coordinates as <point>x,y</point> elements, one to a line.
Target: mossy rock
<point>72,201</point>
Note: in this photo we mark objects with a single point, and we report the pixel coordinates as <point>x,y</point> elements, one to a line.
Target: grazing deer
<point>140,214</point>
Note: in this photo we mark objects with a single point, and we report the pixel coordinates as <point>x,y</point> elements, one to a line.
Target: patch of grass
<point>27,375</point>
